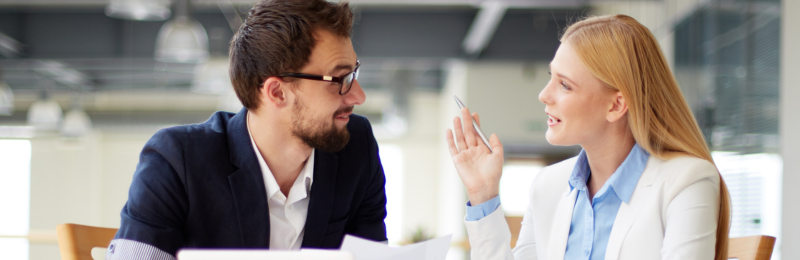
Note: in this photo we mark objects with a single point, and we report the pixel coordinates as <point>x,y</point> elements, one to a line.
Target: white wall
<point>790,127</point>
<point>506,96</point>
<point>82,181</point>
<point>420,164</point>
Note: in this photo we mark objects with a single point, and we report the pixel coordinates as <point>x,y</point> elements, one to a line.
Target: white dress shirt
<point>287,215</point>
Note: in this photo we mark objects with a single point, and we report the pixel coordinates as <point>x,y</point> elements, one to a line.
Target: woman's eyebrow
<point>561,75</point>
<point>572,82</point>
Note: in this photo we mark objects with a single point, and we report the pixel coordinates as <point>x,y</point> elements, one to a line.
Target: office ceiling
<point>72,45</point>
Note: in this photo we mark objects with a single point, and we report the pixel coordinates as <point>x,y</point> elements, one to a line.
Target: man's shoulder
<point>210,136</point>
<point>215,126</point>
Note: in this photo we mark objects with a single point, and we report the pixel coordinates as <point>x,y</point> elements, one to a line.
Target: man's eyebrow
<point>341,67</point>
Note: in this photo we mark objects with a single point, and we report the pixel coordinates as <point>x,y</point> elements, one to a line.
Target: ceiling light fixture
<point>182,39</point>
<point>484,26</point>
<point>139,10</point>
<point>45,113</point>
<point>212,77</point>
<point>76,123</point>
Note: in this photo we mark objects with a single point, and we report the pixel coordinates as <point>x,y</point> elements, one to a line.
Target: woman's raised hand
<point>479,169</point>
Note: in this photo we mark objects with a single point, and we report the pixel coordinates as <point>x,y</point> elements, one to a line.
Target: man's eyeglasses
<point>345,82</point>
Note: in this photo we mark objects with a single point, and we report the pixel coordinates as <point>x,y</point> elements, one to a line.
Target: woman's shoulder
<point>681,170</point>
<point>686,164</point>
<point>557,173</point>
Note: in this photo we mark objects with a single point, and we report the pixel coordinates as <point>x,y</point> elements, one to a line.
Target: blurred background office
<point>85,83</point>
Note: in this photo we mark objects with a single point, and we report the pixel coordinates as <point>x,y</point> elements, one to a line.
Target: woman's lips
<point>552,120</point>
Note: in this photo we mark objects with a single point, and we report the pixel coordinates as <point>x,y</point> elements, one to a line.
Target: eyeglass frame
<point>339,80</point>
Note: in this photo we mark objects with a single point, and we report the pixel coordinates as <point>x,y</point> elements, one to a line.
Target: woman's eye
<point>563,84</point>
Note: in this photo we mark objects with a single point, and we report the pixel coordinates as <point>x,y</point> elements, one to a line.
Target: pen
<point>475,125</point>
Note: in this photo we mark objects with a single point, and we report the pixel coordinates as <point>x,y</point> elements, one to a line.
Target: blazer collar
<point>247,185</point>
<point>628,212</point>
<point>250,194</point>
<point>241,150</point>
<point>626,215</point>
<point>622,181</point>
<point>326,166</point>
<point>559,232</point>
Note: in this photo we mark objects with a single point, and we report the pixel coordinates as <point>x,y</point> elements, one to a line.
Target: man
<point>293,169</point>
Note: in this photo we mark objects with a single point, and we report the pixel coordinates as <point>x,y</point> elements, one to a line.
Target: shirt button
<point>587,251</point>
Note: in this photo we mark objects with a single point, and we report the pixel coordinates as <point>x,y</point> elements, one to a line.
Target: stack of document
<point>362,249</point>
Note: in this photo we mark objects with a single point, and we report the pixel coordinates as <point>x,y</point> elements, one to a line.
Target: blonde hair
<point>624,55</point>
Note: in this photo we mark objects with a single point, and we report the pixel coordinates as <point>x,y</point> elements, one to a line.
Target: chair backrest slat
<point>751,248</point>
<point>76,241</point>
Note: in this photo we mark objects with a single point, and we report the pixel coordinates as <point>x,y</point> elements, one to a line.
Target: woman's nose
<point>544,96</point>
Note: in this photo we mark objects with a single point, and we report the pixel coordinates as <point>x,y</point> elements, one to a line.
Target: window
<point>727,62</point>
<point>392,160</point>
<point>515,185</point>
<point>15,183</point>
<point>754,181</point>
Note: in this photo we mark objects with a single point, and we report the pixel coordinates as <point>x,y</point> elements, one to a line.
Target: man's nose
<point>355,96</point>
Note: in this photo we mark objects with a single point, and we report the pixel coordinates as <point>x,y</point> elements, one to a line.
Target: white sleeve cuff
<point>124,249</point>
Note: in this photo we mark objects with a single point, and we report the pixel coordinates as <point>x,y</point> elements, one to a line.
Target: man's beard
<point>313,133</point>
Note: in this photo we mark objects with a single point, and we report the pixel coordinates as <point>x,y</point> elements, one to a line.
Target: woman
<point>643,187</point>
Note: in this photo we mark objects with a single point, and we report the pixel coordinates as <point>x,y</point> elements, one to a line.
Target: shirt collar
<point>623,180</point>
<point>306,175</point>
<point>580,173</point>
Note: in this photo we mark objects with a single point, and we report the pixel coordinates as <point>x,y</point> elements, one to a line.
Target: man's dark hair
<point>277,38</point>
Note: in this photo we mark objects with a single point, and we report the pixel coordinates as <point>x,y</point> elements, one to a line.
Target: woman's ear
<point>619,108</point>
<point>274,92</point>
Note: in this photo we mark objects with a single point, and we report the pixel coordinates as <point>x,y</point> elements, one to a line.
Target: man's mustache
<point>343,111</point>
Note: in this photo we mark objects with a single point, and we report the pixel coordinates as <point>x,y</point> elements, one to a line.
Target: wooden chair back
<point>751,248</point>
<point>515,225</point>
<point>76,241</point>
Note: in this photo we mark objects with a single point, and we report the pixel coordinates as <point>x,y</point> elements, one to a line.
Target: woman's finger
<point>497,146</point>
<point>451,145</point>
<point>483,147</point>
<point>462,145</point>
<point>469,130</point>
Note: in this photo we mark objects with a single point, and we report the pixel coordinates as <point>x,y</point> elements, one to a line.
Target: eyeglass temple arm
<point>314,77</point>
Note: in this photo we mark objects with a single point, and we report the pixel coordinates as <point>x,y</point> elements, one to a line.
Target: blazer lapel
<point>627,213</point>
<point>321,201</point>
<point>247,185</point>
<point>561,223</point>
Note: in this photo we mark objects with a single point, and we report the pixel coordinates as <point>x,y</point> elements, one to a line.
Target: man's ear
<point>619,108</point>
<point>274,92</point>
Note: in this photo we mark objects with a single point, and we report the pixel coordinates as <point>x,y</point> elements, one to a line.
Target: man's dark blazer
<point>200,186</point>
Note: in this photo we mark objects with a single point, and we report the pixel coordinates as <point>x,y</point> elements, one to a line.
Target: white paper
<point>362,249</point>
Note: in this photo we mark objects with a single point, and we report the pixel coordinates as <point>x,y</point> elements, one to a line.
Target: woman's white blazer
<point>672,214</point>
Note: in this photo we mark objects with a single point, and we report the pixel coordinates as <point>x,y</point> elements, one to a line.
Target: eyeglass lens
<point>348,82</point>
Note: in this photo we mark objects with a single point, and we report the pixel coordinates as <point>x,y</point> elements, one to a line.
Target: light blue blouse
<point>591,220</point>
